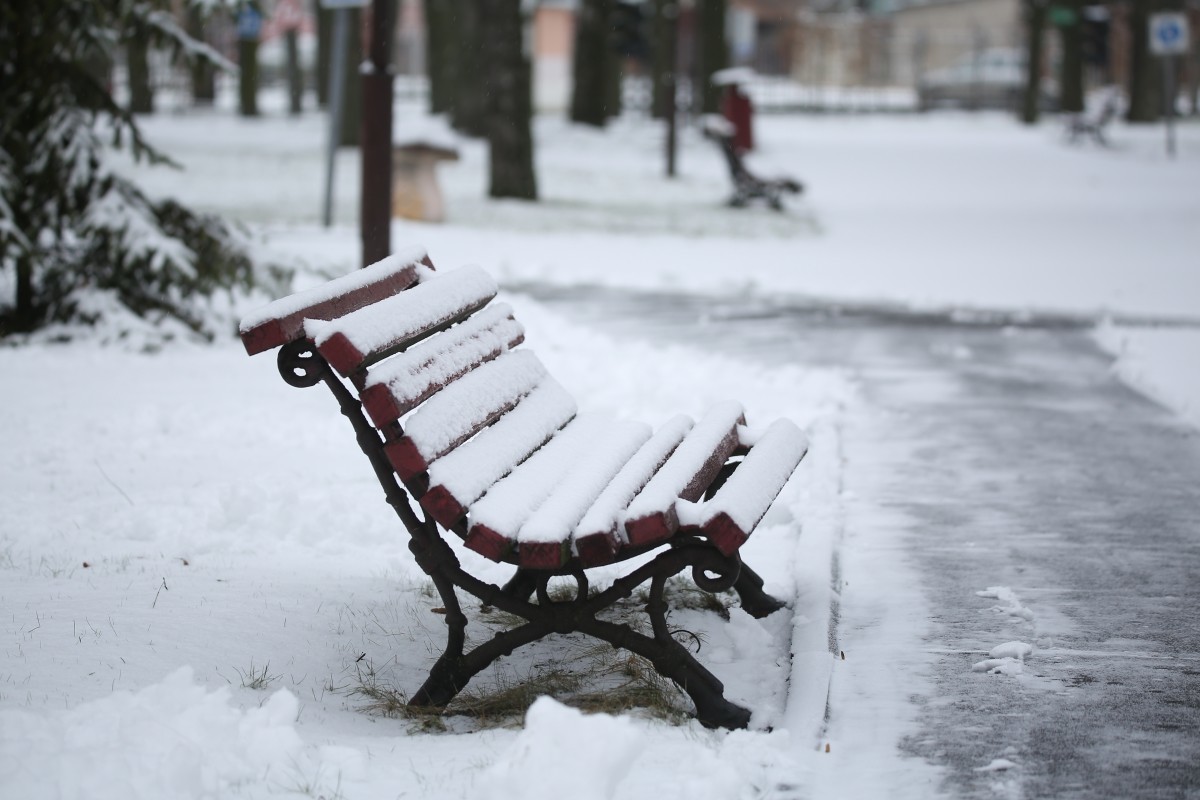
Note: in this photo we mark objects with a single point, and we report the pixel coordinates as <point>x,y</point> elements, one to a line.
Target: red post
<point>736,107</point>
<point>376,209</point>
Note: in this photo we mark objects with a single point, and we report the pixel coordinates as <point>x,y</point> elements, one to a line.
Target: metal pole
<point>670,13</point>
<point>337,69</point>
<point>1168,72</point>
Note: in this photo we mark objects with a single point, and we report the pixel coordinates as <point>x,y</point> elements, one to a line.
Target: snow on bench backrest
<point>398,385</point>
<point>437,301</point>
<point>282,321</point>
<point>462,409</point>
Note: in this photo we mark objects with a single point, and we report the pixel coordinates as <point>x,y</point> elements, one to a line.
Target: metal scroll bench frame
<point>709,550</point>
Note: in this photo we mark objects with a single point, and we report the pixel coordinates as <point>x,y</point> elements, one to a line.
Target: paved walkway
<point>1009,458</point>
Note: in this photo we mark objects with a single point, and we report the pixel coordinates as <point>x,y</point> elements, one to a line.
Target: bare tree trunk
<point>662,53</point>
<point>613,73</point>
<point>295,80</point>
<point>204,77</point>
<point>472,79</point>
<point>248,77</point>
<point>141,94</point>
<point>24,317</point>
<point>1145,69</point>
<point>588,92</point>
<point>352,100</point>
<point>1070,79</point>
<point>1035,25</point>
<point>324,18</point>
<point>441,55</point>
<point>510,103</point>
<point>712,54</point>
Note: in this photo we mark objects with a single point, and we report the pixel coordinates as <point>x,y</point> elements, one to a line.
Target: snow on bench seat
<point>404,381</point>
<point>730,515</point>
<point>462,409</point>
<point>437,301</point>
<point>598,535</point>
<point>462,476</point>
<point>500,514</point>
<point>651,517</point>
<point>544,540</point>
<point>282,321</point>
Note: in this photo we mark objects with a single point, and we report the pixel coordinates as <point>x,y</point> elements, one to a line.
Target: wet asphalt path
<point>1019,462</point>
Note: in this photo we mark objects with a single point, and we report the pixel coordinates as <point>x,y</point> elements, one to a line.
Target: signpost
<point>337,66</point>
<point>1169,37</point>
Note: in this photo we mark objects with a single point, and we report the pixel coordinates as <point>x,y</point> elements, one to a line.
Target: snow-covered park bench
<point>746,185</point>
<point>1094,124</point>
<point>468,434</point>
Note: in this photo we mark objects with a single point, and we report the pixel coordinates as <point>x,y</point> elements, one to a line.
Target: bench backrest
<point>491,445</point>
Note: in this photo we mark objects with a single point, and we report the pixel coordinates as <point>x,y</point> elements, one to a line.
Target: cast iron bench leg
<point>755,601</point>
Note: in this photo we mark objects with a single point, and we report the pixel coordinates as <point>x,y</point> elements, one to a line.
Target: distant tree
<point>613,73</point>
<point>712,54</point>
<point>351,127</point>
<point>1070,75</point>
<point>249,26</point>
<point>1145,69</point>
<point>441,55</point>
<point>324,17</point>
<point>204,83</point>
<point>510,103</point>
<point>471,76</point>
<point>589,89</point>
<point>69,223</point>
<point>137,65</point>
<point>662,63</point>
<point>1035,26</point>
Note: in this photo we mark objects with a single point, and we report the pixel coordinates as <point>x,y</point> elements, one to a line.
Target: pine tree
<point>69,225</point>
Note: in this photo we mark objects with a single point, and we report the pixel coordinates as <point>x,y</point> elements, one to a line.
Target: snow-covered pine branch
<point>68,224</point>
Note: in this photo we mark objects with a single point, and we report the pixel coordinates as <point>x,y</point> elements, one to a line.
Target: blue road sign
<point>1169,34</point>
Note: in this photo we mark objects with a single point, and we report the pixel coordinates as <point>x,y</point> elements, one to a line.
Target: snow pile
<point>1005,659</point>
<point>565,753</point>
<point>1152,359</point>
<point>1011,603</point>
<point>172,739</point>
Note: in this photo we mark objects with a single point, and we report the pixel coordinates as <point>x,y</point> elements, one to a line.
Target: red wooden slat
<point>543,555</point>
<point>488,543</point>
<point>368,334</point>
<point>405,458</point>
<point>725,533</point>
<point>662,523</point>
<point>595,549</point>
<point>442,506</point>
<point>276,331</point>
<point>383,406</point>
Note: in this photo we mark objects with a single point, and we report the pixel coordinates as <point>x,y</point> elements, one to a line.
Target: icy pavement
<point>1048,515</point>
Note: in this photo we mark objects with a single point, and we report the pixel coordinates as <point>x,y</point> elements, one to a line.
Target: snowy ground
<point>196,569</point>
